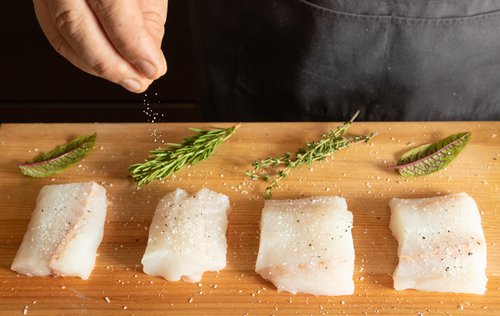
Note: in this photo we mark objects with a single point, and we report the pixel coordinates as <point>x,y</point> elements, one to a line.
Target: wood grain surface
<point>118,285</point>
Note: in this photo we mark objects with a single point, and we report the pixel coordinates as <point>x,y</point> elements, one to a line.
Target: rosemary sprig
<point>330,142</point>
<point>164,162</point>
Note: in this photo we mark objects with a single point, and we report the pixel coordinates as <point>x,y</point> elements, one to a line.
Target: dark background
<point>38,85</point>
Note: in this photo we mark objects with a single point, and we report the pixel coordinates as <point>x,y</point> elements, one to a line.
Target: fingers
<point>131,29</point>
<point>155,16</point>
<point>56,39</point>
<point>75,32</point>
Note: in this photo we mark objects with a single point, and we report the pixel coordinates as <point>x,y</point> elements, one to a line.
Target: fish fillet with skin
<point>306,246</point>
<point>441,244</point>
<point>64,232</point>
<point>187,236</point>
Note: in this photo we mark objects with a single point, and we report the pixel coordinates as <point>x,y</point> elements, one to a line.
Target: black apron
<point>321,60</point>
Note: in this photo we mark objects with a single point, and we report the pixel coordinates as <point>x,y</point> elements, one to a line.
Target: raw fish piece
<point>64,232</point>
<point>306,246</point>
<point>441,244</point>
<point>187,236</point>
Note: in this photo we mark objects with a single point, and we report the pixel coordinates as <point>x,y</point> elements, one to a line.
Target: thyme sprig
<point>281,166</point>
<point>164,162</point>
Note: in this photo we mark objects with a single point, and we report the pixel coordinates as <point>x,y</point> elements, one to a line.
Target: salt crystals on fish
<point>64,232</point>
<point>187,236</point>
<point>306,246</point>
<point>441,244</point>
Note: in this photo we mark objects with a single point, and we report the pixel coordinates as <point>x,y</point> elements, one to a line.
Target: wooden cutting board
<point>118,285</point>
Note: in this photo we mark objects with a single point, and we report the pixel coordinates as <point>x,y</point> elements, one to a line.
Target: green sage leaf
<point>430,158</point>
<point>59,158</point>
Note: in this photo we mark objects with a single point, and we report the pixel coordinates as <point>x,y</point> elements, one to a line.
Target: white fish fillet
<point>187,236</point>
<point>64,232</point>
<point>306,246</point>
<point>441,244</point>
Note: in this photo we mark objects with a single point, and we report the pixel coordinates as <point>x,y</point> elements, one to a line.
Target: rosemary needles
<point>164,162</point>
<point>281,166</point>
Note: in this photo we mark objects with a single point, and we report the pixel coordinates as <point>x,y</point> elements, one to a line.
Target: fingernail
<point>148,69</point>
<point>131,85</point>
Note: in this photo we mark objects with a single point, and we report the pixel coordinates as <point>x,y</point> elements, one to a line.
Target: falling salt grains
<point>107,299</point>
<point>190,300</point>
<point>152,115</point>
<point>25,310</point>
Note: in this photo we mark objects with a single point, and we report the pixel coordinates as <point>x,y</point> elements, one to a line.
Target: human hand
<point>118,40</point>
